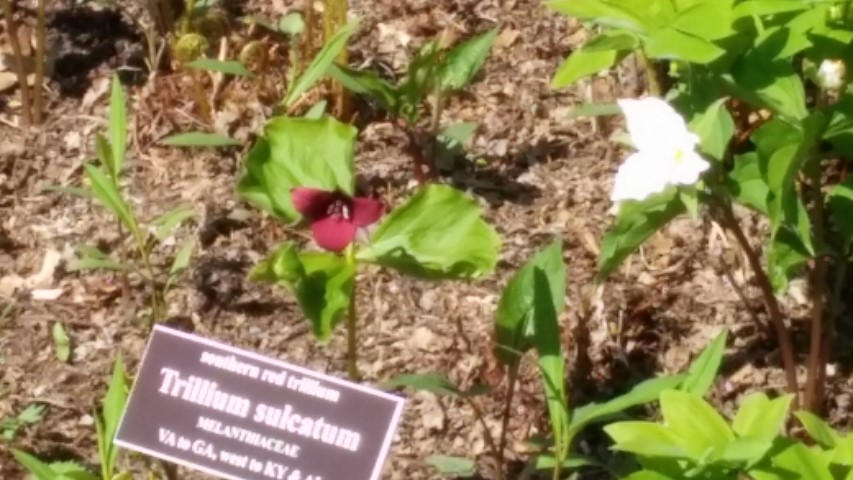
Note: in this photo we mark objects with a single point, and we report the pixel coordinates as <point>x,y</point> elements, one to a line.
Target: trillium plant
<point>748,108</point>
<point>302,172</point>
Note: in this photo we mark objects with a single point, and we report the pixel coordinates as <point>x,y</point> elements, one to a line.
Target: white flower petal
<point>688,169</point>
<point>654,125</point>
<point>639,177</point>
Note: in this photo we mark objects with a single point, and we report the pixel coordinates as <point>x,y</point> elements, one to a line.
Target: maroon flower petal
<point>333,233</point>
<point>366,211</point>
<point>312,202</point>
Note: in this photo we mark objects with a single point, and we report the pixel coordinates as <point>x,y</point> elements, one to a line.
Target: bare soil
<point>544,176</point>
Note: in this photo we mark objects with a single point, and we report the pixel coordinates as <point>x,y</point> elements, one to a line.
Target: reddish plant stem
<point>783,334</point>
<point>816,371</point>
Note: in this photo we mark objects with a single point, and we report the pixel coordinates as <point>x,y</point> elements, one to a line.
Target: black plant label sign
<point>239,415</point>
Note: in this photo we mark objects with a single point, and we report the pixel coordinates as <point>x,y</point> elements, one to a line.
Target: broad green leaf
<point>113,408</point>
<point>61,342</point>
<point>455,466</point>
<point>779,44</point>
<point>839,132</point>
<point>183,257</point>
<point>228,67</point>
<point>572,462</point>
<point>787,255</point>
<point>760,417</point>
<point>841,208</point>
<point>600,53</point>
<point>646,438</point>
<point>747,184</point>
<point>692,418</point>
<point>547,340</point>
<point>37,468</point>
<point>761,8</point>
<point>117,128</point>
<point>297,152</point>
<point>439,232</point>
<point>648,475</point>
<point>458,134</point>
<point>703,370</point>
<point>463,61</point>
<point>514,319</point>
<point>768,84</point>
<point>292,24</point>
<point>169,221</point>
<point>746,450</point>
<point>602,12</point>
<point>808,463</point>
<point>843,452</point>
<point>200,139</point>
<point>368,84</point>
<point>672,44</point>
<point>635,223</point>
<point>818,429</point>
<point>428,382</point>
<point>644,392</point>
<point>320,64</point>
<point>108,195</point>
<point>420,81</point>
<point>104,153</point>
<point>321,282</point>
<point>709,20</point>
<point>715,128</point>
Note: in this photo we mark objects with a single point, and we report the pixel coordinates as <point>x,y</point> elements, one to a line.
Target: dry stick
<point>815,372</point>
<point>41,39</point>
<point>12,32</point>
<point>512,378</point>
<point>783,335</point>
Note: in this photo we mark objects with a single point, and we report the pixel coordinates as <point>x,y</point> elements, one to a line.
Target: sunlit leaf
<point>117,128</point>
<point>464,60</point>
<point>199,139</point>
<point>456,466</point>
<point>703,370</point>
<point>320,64</point>
<point>61,342</point>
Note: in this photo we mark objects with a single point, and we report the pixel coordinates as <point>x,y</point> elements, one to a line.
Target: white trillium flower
<point>666,151</point>
<point>831,74</point>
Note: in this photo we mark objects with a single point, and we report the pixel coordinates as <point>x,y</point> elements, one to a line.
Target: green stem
<point>186,25</point>
<point>351,322</point>
<point>654,86</point>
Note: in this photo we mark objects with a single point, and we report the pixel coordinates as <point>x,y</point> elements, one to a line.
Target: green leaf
<point>818,429</point>
<point>169,221</point>
<point>798,458</point>
<point>747,184</point>
<point>549,347</point>
<point>760,417</point>
<point>36,467</point>
<point>635,223</point>
<point>61,342</point>
<point>692,418</point>
<point>200,139</point>
<point>72,471</point>
<point>644,392</point>
<point>292,24</point>
<point>321,282</point>
<point>746,450</point>
<point>586,61</point>
<point>760,8</point>
<point>117,128</point>
<point>91,258</point>
<point>466,59</point>
<point>572,462</point>
<point>297,152</point>
<point>108,195</point>
<point>228,67</point>
<point>647,475</point>
<point>715,127</point>
<point>514,319</point>
<point>672,44</point>
<point>183,257</point>
<point>428,382</point>
<point>841,208</point>
<point>456,466</point>
<point>110,416</point>
<point>601,12</point>
<point>368,84</point>
<point>768,84</point>
<point>320,64</point>
<point>316,111</point>
<point>703,370</point>
<point>439,232</point>
<point>708,20</point>
<point>646,438</point>
<point>458,134</point>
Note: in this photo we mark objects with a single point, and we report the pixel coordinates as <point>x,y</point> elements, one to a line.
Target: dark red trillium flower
<point>335,217</point>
